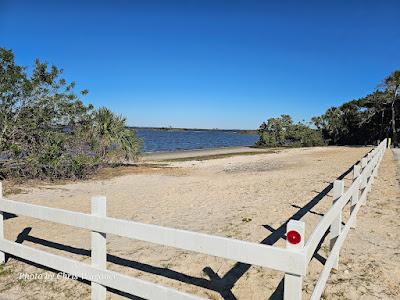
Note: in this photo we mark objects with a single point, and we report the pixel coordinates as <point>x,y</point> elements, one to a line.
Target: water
<point>171,140</point>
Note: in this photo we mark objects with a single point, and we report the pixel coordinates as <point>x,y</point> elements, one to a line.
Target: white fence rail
<point>293,260</point>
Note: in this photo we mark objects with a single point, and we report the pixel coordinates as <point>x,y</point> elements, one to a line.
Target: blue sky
<point>210,64</point>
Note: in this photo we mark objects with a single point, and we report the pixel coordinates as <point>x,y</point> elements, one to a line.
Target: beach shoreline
<point>193,153</point>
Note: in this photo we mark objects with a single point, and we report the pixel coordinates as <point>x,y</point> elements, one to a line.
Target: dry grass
<point>143,168</point>
<point>219,156</point>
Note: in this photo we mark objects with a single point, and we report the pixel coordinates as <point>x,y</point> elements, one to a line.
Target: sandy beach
<point>202,153</point>
<point>248,197</point>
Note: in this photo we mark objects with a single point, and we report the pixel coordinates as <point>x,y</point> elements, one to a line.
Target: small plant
<point>4,271</point>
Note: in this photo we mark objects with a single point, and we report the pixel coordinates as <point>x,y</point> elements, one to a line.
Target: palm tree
<point>392,87</point>
<point>111,138</point>
<point>333,123</point>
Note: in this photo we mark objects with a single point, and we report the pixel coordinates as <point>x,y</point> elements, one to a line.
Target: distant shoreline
<point>242,131</point>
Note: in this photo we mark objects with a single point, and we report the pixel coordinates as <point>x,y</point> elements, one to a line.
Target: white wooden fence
<point>292,260</point>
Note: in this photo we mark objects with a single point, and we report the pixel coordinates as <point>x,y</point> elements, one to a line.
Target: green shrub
<point>281,132</point>
<point>47,132</point>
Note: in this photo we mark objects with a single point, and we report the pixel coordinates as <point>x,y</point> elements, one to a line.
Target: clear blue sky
<point>210,64</point>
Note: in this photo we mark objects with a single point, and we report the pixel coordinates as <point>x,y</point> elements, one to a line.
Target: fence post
<point>369,179</point>
<point>2,254</point>
<point>375,169</point>
<point>294,240</point>
<point>336,226</point>
<point>99,247</point>
<point>363,178</point>
<point>378,156</point>
<point>363,162</point>
<point>356,194</point>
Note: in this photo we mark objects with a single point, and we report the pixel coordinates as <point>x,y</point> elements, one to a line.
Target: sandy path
<point>245,197</point>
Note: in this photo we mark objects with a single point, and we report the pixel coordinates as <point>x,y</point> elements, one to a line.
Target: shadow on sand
<point>222,285</point>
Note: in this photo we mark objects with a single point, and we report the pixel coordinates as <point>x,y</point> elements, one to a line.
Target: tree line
<point>46,131</point>
<point>357,122</point>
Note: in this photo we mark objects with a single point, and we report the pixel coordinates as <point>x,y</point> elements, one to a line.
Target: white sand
<point>245,197</point>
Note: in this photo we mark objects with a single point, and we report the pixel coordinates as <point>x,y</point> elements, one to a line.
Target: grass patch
<point>112,171</point>
<point>4,271</point>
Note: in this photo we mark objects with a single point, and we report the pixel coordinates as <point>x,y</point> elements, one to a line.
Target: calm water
<point>164,140</point>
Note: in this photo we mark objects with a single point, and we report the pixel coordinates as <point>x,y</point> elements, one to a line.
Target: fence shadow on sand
<point>222,285</point>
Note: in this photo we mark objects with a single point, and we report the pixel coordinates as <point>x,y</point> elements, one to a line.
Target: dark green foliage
<point>300,135</point>
<point>111,138</point>
<point>47,132</point>
<point>358,122</point>
<point>278,132</point>
<point>366,120</point>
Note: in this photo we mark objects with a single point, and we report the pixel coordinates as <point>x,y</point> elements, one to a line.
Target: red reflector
<point>293,237</point>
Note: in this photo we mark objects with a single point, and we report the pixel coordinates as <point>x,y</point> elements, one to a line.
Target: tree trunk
<point>394,133</point>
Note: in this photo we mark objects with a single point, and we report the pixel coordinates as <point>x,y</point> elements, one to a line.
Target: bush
<point>281,132</point>
<point>75,167</point>
<point>47,132</point>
